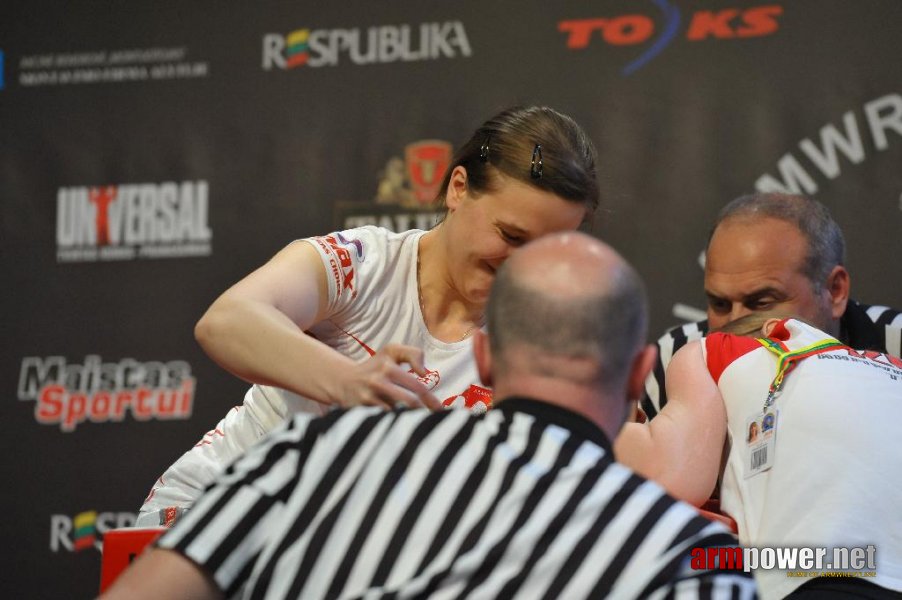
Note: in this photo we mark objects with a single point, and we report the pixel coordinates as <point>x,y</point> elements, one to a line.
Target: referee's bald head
<point>567,306</point>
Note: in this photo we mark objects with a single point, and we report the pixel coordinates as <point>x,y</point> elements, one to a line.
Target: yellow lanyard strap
<point>788,359</point>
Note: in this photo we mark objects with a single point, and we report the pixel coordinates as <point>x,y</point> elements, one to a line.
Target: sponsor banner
<point>133,221</point>
<point>393,218</point>
<point>426,162</point>
<point>672,25</point>
<point>406,192</point>
<point>836,144</point>
<point>85,530</point>
<point>109,66</point>
<point>862,134</point>
<point>67,394</point>
<point>374,45</point>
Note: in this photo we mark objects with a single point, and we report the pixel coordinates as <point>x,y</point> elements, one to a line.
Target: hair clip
<point>535,169</point>
<point>484,150</point>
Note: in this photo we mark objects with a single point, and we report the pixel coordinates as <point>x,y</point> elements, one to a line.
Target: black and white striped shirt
<point>862,327</point>
<point>524,501</point>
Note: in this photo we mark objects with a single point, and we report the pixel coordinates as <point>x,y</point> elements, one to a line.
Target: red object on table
<point>711,510</point>
<point>120,547</point>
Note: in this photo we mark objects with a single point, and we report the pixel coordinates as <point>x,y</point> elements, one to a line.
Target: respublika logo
<point>128,221</point>
<point>85,530</point>
<point>374,45</point>
<point>633,29</point>
<point>68,394</point>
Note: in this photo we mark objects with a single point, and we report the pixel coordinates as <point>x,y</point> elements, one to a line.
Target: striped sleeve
<point>889,323</point>
<point>655,393</point>
<point>678,579</point>
<point>653,553</point>
<point>228,526</point>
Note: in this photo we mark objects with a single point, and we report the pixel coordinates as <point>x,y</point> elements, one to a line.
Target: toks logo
<point>375,45</point>
<point>122,222</point>
<point>67,395</point>
<point>81,532</point>
<point>629,30</point>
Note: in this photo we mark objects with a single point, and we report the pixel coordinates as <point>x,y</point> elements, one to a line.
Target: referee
<point>525,501</point>
<point>785,253</point>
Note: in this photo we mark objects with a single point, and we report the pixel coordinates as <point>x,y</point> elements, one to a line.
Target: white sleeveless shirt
<point>373,301</point>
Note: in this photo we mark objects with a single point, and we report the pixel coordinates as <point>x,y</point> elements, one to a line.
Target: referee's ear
<point>483,354</point>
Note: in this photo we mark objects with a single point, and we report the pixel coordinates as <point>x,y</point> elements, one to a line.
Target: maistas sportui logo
<point>69,394</point>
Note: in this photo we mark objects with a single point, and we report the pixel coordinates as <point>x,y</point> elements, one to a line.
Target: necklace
<point>469,330</point>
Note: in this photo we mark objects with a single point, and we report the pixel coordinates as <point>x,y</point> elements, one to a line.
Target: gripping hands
<point>387,379</point>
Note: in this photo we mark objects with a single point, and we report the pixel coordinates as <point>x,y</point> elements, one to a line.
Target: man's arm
<point>681,447</point>
<point>160,573</point>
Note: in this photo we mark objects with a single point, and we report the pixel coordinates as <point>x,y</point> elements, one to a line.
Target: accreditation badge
<point>760,441</point>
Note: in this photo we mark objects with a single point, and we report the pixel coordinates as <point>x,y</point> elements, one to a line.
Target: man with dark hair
<point>778,251</point>
<point>523,501</point>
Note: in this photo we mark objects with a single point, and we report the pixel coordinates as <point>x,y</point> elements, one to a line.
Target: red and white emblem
<point>476,399</point>
<point>430,379</point>
<point>426,162</point>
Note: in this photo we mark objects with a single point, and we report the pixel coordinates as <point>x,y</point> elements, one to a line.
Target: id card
<point>760,442</point>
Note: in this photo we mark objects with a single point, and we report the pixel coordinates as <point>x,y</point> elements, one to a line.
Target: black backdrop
<point>151,155</point>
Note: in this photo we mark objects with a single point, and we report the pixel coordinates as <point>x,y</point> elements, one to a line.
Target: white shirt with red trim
<point>836,478</point>
<point>373,301</point>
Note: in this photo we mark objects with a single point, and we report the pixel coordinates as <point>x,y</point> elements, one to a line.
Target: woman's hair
<point>751,324</point>
<point>535,145</point>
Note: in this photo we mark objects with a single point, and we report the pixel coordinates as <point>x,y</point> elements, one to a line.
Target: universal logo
<point>128,221</point>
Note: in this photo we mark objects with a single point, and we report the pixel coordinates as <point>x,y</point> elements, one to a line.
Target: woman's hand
<point>387,379</point>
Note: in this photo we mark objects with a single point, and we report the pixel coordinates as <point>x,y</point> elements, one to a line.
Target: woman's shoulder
<point>373,234</point>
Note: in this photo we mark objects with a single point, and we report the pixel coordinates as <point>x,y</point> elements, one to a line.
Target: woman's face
<point>484,230</point>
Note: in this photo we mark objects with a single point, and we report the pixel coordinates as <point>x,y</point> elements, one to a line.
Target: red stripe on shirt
<point>724,348</point>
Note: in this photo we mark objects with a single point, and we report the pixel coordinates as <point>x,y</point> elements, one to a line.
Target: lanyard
<point>787,360</point>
